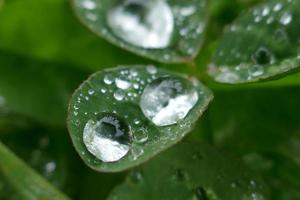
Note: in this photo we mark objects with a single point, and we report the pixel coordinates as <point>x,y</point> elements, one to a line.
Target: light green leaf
<point>262,43</point>
<point>121,117</point>
<point>24,180</point>
<point>191,171</point>
<point>167,31</point>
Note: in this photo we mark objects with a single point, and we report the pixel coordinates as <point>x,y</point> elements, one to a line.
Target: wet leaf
<point>26,182</point>
<point>262,43</point>
<point>192,171</point>
<point>167,31</point>
<point>121,117</point>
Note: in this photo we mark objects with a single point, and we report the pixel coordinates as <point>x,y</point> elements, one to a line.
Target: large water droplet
<point>167,100</point>
<point>263,56</point>
<point>147,24</point>
<point>107,137</point>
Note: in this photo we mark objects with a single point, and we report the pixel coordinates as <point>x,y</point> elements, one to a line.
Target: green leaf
<point>264,129</point>
<point>262,43</point>
<point>36,89</point>
<point>55,35</point>
<point>24,180</point>
<point>121,117</point>
<point>191,171</point>
<point>166,31</point>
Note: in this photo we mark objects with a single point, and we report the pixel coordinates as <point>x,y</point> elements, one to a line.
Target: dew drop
<point>286,18</point>
<point>151,69</point>
<point>167,100</point>
<point>147,24</point>
<point>108,79</point>
<point>122,82</point>
<point>91,91</point>
<point>119,95</point>
<point>107,137</point>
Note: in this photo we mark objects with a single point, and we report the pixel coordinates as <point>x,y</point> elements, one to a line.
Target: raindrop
<point>107,137</point>
<point>91,91</point>
<point>147,24</point>
<point>136,177</point>
<point>119,95</point>
<point>151,69</point>
<point>286,18</point>
<point>167,100</point>
<point>122,82</point>
<point>108,79</point>
<point>263,56</point>
<point>141,135</point>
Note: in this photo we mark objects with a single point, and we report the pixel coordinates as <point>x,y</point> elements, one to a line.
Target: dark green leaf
<point>24,180</point>
<point>191,171</point>
<point>134,111</point>
<point>263,128</point>
<point>262,43</point>
<point>166,31</point>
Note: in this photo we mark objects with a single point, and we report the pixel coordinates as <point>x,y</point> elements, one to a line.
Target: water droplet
<point>122,82</point>
<point>256,70</point>
<point>286,18</point>
<point>277,7</point>
<point>119,95</point>
<point>167,100</point>
<point>151,69</point>
<point>107,137</point>
<point>108,79</point>
<point>88,4</point>
<point>200,194</point>
<point>147,24</point>
<point>103,90</point>
<point>263,56</point>
<point>91,91</point>
<point>50,167</point>
<point>141,135</point>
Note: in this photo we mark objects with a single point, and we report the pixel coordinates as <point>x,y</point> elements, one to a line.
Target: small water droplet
<point>122,82</point>
<point>103,90</point>
<point>50,167</point>
<point>286,18</point>
<point>167,100</point>
<point>107,137</point>
<point>119,95</point>
<point>141,135</point>
<point>151,69</point>
<point>108,79</point>
<point>91,91</point>
<point>147,24</point>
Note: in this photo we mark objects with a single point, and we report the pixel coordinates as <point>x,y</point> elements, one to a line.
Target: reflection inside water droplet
<point>107,137</point>
<point>147,24</point>
<point>263,56</point>
<point>167,100</point>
